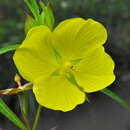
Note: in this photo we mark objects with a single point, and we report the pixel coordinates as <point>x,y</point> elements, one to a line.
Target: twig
<point>12,91</point>
<point>37,117</point>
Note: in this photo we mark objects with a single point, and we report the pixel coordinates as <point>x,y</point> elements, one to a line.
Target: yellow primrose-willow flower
<point>65,63</point>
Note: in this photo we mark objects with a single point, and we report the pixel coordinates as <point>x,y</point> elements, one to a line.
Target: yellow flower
<point>65,63</point>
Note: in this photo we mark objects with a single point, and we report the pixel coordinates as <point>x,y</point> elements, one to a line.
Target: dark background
<point>102,113</point>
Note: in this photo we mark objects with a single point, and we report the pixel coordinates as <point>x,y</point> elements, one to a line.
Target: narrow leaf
<point>8,48</point>
<point>29,23</point>
<point>115,97</point>
<point>5,110</point>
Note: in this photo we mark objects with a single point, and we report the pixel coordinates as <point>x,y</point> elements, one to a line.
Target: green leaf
<point>8,48</point>
<point>30,6</point>
<point>29,23</point>
<point>5,110</point>
<point>115,97</point>
<point>35,6</point>
<point>48,15</point>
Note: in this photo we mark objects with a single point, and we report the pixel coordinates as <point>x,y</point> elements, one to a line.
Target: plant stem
<point>11,91</point>
<point>37,117</point>
<point>23,100</point>
<point>26,121</point>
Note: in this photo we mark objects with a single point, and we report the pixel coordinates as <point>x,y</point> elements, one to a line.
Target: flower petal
<point>75,37</point>
<point>35,57</point>
<point>95,72</point>
<point>64,36</point>
<point>57,93</point>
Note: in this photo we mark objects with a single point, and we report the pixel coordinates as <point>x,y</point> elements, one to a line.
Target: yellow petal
<point>95,72</point>
<point>34,57</point>
<point>92,35</point>
<point>75,37</point>
<point>57,93</point>
<point>64,36</point>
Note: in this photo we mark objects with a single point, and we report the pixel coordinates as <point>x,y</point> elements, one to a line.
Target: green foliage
<point>5,110</point>
<point>45,17</point>
<point>47,14</point>
<point>115,97</point>
<point>8,48</point>
<point>29,23</point>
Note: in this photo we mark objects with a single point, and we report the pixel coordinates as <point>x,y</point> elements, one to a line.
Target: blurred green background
<point>115,16</point>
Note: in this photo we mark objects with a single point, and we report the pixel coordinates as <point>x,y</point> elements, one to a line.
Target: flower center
<point>66,68</point>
